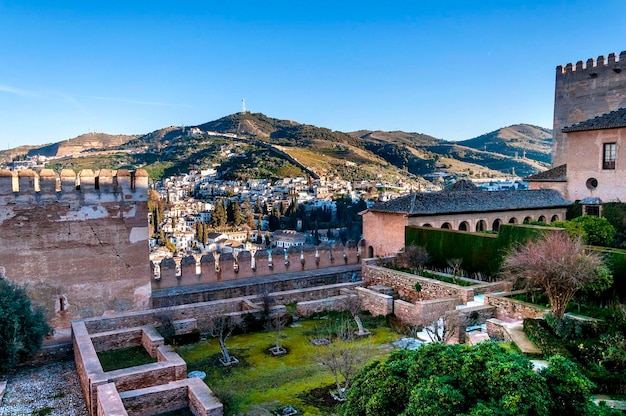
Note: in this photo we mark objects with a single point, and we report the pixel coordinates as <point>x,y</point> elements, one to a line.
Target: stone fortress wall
<point>583,91</point>
<point>215,266</point>
<point>78,242</point>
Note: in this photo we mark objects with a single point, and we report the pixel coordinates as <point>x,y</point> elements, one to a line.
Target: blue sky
<point>451,69</point>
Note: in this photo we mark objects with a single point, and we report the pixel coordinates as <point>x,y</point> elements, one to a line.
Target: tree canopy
<point>556,263</point>
<point>441,380</point>
<point>22,326</point>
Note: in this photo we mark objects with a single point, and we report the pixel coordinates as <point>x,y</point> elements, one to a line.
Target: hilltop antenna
<point>243,106</point>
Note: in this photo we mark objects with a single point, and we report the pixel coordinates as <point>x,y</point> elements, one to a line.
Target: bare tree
<point>343,357</point>
<point>354,304</point>
<point>445,327</point>
<point>277,321</point>
<point>413,257</point>
<point>557,263</point>
<point>455,265</point>
<point>222,327</point>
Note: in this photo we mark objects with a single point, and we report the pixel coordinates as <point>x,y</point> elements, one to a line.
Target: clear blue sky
<point>451,69</point>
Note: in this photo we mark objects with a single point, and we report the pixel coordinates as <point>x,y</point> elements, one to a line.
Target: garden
<point>297,380</point>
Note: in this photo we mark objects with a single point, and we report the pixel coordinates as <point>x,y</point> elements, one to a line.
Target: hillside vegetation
<point>255,145</point>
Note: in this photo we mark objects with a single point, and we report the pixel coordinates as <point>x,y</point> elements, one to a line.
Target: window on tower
<point>608,160</point>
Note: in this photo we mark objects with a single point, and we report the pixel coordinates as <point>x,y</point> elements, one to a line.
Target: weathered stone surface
<point>49,244</point>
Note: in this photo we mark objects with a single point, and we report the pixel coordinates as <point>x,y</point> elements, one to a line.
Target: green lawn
<point>124,358</point>
<point>261,379</point>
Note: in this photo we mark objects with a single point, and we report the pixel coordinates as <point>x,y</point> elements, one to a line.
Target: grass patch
<point>511,347</point>
<point>124,358</point>
<point>261,380</point>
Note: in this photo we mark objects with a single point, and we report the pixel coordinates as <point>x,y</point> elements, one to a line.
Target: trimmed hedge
<point>480,252</point>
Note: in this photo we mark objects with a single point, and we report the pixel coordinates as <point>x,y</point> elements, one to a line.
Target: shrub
<point>22,326</point>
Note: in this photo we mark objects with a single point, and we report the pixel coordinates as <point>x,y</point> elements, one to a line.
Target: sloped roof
<point>557,174</point>
<point>448,202</point>
<point>612,120</point>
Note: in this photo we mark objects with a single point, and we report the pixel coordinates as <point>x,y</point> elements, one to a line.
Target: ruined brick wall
<point>404,284</point>
<point>512,309</point>
<point>584,91</point>
<point>79,243</point>
<point>375,303</point>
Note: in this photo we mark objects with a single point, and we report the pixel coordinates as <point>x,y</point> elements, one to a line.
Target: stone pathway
<point>516,332</point>
<point>52,389</point>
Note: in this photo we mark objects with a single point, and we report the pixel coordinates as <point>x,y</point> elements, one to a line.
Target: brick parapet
<point>29,187</point>
<point>215,267</point>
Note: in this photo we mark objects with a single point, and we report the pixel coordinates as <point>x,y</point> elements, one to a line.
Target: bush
<point>22,327</point>
<point>598,230</point>
<point>539,333</point>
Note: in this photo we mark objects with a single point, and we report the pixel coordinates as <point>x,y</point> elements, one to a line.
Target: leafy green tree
<point>22,326</point>
<point>598,230</point>
<point>482,380</point>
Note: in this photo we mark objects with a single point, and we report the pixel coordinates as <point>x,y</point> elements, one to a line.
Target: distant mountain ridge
<point>520,149</point>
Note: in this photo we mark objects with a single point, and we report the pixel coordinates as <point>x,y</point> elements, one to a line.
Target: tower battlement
<point>28,186</point>
<point>583,91</point>
<point>592,67</point>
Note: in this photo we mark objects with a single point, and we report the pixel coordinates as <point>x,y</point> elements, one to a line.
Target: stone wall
<point>423,312</point>
<point>215,267</point>
<point>511,309</point>
<point>374,302</point>
<point>404,284</point>
<point>583,91</point>
<point>333,303</point>
<point>53,226</point>
<point>254,286</point>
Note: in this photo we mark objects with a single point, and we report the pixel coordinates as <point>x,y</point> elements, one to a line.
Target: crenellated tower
<point>78,242</point>
<point>584,91</point>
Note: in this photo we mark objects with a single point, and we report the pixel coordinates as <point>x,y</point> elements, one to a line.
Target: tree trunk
<point>359,323</point>
<point>225,354</point>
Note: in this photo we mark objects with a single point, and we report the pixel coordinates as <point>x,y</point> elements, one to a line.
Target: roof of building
<point>471,200</point>
<point>557,174</point>
<point>612,120</point>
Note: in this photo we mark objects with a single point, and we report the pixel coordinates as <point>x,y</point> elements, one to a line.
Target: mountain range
<point>247,145</point>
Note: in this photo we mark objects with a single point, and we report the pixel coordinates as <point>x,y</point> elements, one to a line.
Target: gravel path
<point>52,390</point>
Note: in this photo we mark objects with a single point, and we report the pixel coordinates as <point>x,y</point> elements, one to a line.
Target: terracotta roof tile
<point>558,174</point>
<point>613,120</point>
<point>446,202</point>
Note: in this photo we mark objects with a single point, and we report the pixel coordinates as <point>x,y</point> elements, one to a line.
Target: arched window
<point>446,225</point>
<point>527,220</point>
<point>554,218</point>
<point>495,226</point>
<point>464,226</point>
<point>513,220</point>
<point>541,218</point>
<point>370,251</point>
<point>427,225</point>
<point>481,226</point>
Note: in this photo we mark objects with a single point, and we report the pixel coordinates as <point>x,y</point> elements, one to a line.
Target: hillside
<point>254,144</point>
<point>82,143</point>
<point>516,141</point>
